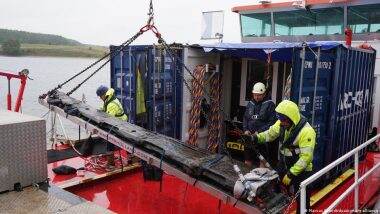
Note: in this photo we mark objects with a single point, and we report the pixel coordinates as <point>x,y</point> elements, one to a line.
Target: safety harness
<point>289,159</point>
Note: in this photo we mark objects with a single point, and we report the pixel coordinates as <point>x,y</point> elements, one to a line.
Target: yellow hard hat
<point>259,88</point>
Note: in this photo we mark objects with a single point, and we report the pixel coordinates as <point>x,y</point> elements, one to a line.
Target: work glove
<point>287,179</point>
<point>249,138</point>
<point>249,141</point>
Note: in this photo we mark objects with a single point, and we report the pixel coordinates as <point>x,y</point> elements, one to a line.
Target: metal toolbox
<point>23,159</point>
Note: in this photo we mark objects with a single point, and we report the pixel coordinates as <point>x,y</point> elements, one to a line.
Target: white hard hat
<point>258,88</point>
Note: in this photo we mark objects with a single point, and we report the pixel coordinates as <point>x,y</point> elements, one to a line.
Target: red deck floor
<point>129,193</point>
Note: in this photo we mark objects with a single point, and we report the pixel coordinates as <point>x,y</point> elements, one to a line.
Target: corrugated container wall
<point>343,101</point>
<point>148,84</point>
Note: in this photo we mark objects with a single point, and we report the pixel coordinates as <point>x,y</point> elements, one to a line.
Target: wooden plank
<point>94,177</point>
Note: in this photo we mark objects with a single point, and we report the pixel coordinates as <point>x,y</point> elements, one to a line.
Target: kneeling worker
<point>113,107</point>
<point>296,145</point>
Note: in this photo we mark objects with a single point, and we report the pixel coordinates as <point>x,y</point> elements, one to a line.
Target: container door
<point>125,67</point>
<point>148,84</point>
<point>164,92</point>
<point>303,89</point>
<point>353,89</point>
<point>121,79</point>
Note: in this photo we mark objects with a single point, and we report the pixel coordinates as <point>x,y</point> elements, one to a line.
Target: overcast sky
<point>104,22</point>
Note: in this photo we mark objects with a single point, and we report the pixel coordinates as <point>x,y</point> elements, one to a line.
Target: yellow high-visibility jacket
<point>304,142</point>
<point>112,106</point>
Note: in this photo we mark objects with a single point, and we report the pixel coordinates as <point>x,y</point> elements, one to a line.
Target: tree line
<point>35,38</point>
<point>11,40</point>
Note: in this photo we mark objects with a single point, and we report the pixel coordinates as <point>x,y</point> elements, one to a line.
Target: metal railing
<point>354,186</point>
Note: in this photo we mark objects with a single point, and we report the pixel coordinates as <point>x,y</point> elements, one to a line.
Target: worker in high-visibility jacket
<point>296,145</point>
<point>113,107</point>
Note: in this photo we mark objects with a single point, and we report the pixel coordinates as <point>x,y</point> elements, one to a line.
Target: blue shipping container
<point>161,79</point>
<point>341,110</point>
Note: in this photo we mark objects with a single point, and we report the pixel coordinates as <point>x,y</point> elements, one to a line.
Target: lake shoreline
<point>77,51</point>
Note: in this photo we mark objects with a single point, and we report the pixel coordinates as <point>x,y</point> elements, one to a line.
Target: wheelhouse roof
<point>280,51</point>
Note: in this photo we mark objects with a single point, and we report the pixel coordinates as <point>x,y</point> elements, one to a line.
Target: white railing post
<point>354,187</point>
<point>53,130</point>
<point>303,198</point>
<point>62,127</point>
<point>356,202</point>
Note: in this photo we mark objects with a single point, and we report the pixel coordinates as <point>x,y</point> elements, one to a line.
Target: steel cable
<point>149,26</point>
<point>113,54</point>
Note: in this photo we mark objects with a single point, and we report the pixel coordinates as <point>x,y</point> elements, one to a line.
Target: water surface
<point>48,72</point>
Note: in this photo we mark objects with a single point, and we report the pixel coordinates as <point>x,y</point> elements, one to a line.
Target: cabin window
<point>325,21</point>
<point>364,18</point>
<point>256,24</point>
